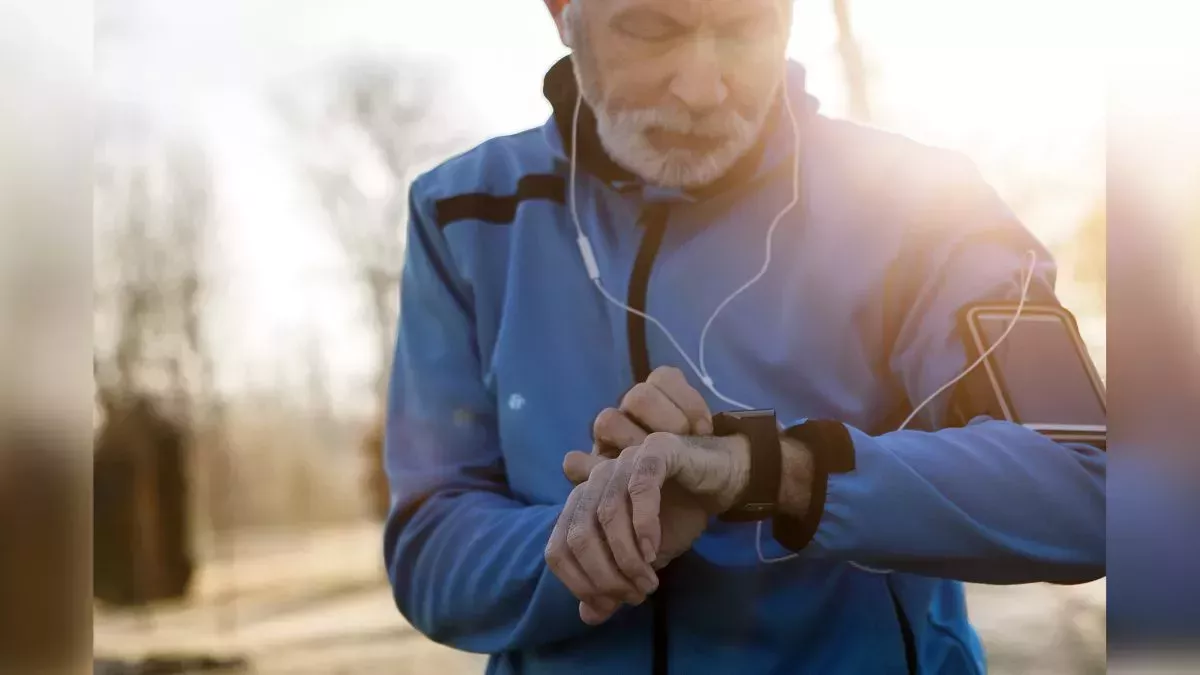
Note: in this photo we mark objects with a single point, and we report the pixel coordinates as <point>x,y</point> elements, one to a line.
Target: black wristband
<point>759,500</point>
<point>832,453</point>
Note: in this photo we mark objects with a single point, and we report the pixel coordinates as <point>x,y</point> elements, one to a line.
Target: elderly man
<point>688,235</point>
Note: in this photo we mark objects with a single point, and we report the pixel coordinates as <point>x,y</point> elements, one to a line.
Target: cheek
<point>752,86</point>
<point>631,84</point>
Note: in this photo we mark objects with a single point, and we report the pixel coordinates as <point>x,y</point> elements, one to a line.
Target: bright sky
<point>1019,84</point>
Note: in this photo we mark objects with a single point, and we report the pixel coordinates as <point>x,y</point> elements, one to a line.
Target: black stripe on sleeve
<point>500,209</point>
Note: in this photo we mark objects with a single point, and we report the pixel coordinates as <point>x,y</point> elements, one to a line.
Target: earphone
<point>701,371</point>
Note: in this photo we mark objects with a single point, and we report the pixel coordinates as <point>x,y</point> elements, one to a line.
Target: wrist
<point>818,449</point>
<point>795,480</point>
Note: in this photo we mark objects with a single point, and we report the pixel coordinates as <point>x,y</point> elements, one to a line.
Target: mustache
<point>728,124</point>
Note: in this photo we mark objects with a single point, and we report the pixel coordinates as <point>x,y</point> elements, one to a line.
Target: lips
<point>664,140</point>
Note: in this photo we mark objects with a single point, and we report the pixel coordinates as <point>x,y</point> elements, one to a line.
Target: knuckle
<point>580,540</point>
<point>659,441</point>
<point>601,471</point>
<point>638,487</point>
<point>610,583</point>
<point>606,514</point>
<point>648,467</point>
<point>577,493</point>
<point>666,375</point>
<point>553,557</point>
<point>626,559</point>
<point>609,507</point>
<point>642,523</point>
<point>638,398</point>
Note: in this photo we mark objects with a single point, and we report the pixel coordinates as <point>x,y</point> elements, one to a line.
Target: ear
<point>565,21</point>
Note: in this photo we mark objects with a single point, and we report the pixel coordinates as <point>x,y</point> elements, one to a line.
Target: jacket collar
<point>774,145</point>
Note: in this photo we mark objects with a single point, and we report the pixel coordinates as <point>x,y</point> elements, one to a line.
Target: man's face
<point>680,88</point>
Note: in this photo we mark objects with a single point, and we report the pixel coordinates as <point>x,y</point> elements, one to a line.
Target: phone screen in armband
<point>1040,376</point>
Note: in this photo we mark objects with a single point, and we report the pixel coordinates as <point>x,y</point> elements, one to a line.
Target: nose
<point>699,81</point>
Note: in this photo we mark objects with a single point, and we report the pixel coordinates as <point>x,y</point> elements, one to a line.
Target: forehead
<point>691,10</point>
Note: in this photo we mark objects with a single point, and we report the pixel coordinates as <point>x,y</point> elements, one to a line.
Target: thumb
<point>578,465</point>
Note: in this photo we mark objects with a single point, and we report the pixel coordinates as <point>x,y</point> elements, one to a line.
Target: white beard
<point>623,135</point>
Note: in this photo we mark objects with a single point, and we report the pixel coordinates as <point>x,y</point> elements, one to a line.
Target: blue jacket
<point>506,353</point>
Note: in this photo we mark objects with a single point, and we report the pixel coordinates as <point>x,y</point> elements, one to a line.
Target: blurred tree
<point>153,223</point>
<point>152,209</point>
<point>854,68</point>
<point>362,129</point>
<point>364,125</point>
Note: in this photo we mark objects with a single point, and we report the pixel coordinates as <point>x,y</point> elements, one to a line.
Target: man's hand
<point>597,554</point>
<point>664,402</point>
<point>607,544</point>
<point>601,573</point>
<point>713,471</point>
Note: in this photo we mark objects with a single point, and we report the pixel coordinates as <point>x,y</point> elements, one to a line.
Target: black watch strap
<point>760,498</point>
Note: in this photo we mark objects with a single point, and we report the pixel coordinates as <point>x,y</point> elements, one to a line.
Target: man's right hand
<point>664,402</point>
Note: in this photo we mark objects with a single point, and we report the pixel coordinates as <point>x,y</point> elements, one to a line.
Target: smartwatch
<point>759,500</point>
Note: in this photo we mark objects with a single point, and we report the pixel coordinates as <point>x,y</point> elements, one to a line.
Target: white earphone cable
<point>589,257</point>
<point>701,371</point>
<point>913,415</point>
<point>770,231</point>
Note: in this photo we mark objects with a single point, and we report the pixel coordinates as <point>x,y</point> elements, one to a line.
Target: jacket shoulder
<point>878,159</point>
<point>493,167</point>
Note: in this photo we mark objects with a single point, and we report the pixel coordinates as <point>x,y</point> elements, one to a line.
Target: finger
<point>615,520</point>
<point>594,615</point>
<point>579,465</point>
<point>647,405</point>
<point>673,383</point>
<point>652,466</point>
<point>605,450</point>
<point>559,558</point>
<point>587,543</point>
<point>615,431</point>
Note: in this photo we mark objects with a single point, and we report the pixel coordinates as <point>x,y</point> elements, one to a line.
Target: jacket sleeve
<point>992,502</point>
<point>464,556</point>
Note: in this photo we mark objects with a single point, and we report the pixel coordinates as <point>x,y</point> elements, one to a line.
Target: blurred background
<point>251,166</point>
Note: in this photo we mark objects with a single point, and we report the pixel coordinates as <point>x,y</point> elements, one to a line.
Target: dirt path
<point>318,603</point>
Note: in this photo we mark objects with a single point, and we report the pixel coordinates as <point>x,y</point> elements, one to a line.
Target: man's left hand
<point>611,527</point>
<point>714,470</point>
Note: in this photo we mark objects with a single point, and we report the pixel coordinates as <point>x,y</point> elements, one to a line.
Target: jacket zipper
<point>653,220</point>
<point>906,633</point>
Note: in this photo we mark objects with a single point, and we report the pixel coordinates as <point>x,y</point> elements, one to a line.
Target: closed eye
<point>648,25</point>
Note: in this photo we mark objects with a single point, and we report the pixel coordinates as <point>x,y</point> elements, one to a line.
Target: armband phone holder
<point>1040,376</point>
